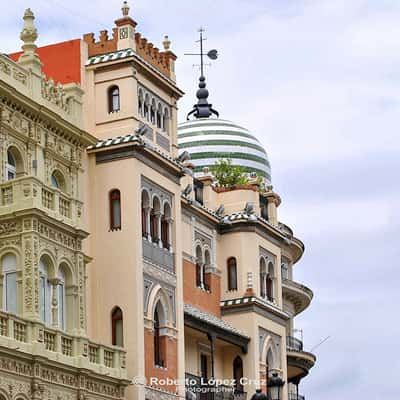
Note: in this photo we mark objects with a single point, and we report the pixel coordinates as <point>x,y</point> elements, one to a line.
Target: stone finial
<point>29,36</point>
<point>125,9</point>
<point>29,33</point>
<point>167,43</point>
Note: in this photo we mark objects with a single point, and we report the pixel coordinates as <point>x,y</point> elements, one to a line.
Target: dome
<point>209,139</point>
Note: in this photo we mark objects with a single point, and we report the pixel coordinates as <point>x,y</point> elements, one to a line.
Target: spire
<point>29,36</point>
<point>125,9</point>
<point>203,109</point>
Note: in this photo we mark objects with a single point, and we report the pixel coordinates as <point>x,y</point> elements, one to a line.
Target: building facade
<point>126,271</point>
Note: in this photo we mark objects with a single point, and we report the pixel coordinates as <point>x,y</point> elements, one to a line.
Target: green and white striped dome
<point>210,139</point>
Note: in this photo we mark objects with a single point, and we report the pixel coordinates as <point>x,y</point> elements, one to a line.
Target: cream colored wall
<point>245,246</point>
<point>116,273</point>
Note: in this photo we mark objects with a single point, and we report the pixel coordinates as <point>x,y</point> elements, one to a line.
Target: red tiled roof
<point>61,61</point>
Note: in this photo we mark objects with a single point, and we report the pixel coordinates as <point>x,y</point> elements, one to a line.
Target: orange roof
<point>61,61</point>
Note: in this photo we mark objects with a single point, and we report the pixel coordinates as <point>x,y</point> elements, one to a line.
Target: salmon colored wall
<point>197,297</point>
<point>169,351</point>
<point>61,61</point>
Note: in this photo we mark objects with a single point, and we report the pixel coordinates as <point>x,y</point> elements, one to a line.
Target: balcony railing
<point>294,344</point>
<point>202,391</point>
<point>56,341</point>
<point>30,192</point>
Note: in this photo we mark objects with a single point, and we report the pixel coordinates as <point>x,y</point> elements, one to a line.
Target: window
<point>158,361</point>
<point>199,268</point>
<point>146,113</point>
<point>165,227</point>
<point>11,169</point>
<point>264,207</point>
<point>165,121</point>
<point>154,220</point>
<point>238,374</point>
<point>45,291</point>
<point>204,366</point>
<point>113,99</point>
<point>232,274</point>
<point>61,299</point>
<point>117,327</point>
<point>145,214</point>
<point>159,116</point>
<point>153,112</point>
<point>140,103</point>
<point>198,190</point>
<point>285,271</point>
<point>115,210</point>
<point>9,270</point>
<point>270,282</point>
<point>57,180</point>
<point>263,274</point>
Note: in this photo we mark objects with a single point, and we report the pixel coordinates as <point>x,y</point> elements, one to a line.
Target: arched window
<point>140,103</point>
<point>113,99</point>
<point>199,268</point>
<point>145,214</point>
<point>57,180</point>
<point>232,273</point>
<point>206,277</point>
<point>9,271</point>
<point>11,169</point>
<point>159,343</point>
<point>270,282</point>
<point>263,276</point>
<point>45,291</point>
<point>117,327</point>
<point>238,374</point>
<point>154,220</point>
<point>159,116</point>
<point>62,311</point>
<point>269,365</point>
<point>153,112</point>
<point>146,113</point>
<point>165,226</point>
<point>115,210</point>
<point>165,120</point>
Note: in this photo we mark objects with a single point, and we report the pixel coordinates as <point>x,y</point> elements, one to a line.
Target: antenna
<point>320,343</point>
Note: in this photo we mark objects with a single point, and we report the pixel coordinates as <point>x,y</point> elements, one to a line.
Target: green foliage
<point>228,175</point>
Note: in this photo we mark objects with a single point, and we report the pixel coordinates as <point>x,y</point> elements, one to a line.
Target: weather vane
<point>212,54</point>
<point>203,109</point>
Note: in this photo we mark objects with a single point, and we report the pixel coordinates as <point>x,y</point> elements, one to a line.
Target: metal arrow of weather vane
<point>212,54</point>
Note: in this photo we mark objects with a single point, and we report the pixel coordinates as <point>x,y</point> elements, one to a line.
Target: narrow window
<point>204,366</point>
<point>117,327</point>
<point>270,282</point>
<point>153,113</point>
<point>11,169</point>
<point>159,117</point>
<point>232,274</point>
<point>157,341</point>
<point>115,210</point>
<point>45,292</point>
<point>113,99</point>
<point>285,271</point>
<point>61,299</point>
<point>165,121</point>
<point>238,375</point>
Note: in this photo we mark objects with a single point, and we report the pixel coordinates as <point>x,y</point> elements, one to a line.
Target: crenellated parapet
<point>104,45</point>
<point>159,59</point>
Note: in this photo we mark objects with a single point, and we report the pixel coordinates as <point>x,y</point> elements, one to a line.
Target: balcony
<point>29,192</point>
<point>299,361</point>
<point>202,391</point>
<point>297,294</point>
<point>157,255</point>
<point>33,338</point>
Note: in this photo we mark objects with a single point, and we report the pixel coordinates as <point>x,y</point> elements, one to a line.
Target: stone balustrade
<point>31,337</point>
<point>29,192</point>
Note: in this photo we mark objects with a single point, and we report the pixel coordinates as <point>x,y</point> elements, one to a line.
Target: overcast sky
<point>318,83</point>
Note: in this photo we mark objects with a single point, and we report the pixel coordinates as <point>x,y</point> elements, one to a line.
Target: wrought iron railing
<point>293,343</point>
<point>202,391</point>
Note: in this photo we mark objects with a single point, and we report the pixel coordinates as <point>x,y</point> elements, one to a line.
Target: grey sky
<point>318,83</point>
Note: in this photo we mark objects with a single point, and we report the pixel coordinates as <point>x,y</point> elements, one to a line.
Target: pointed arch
<point>158,295</point>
